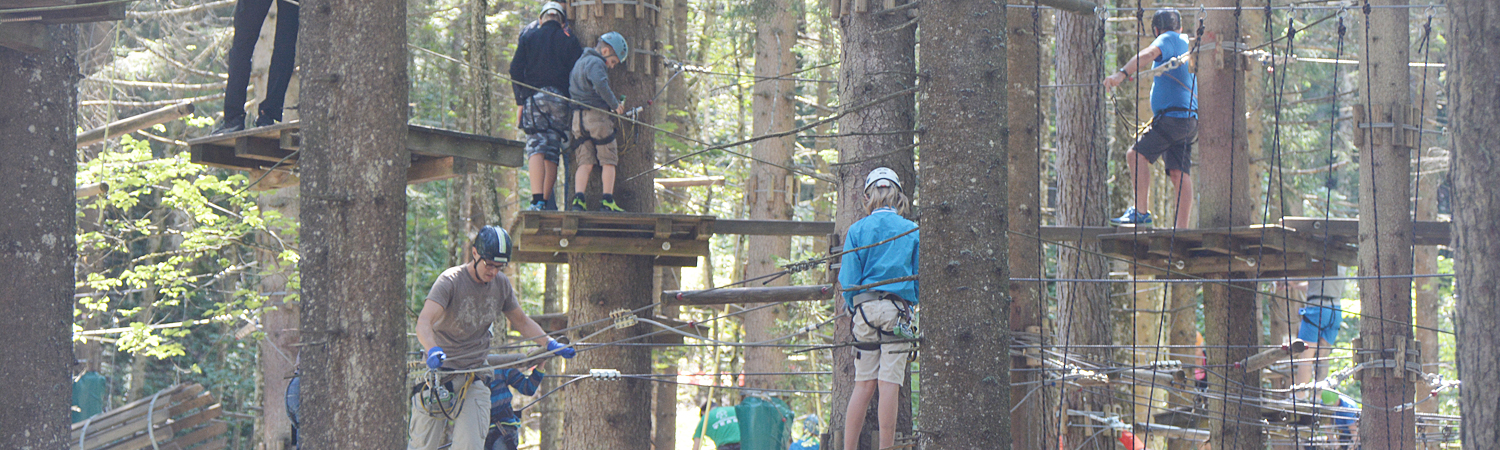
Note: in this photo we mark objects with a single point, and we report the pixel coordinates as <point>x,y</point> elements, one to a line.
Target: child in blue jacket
<point>504,431</point>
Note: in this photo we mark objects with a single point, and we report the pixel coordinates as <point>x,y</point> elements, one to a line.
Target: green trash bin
<point>88,395</point>
<point>765,423</point>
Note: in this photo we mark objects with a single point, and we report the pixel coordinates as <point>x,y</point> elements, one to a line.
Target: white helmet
<point>882,177</point>
<point>553,6</point>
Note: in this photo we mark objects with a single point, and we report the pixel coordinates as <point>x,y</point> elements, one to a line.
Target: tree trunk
<point>1475,96</point>
<point>600,283</point>
<point>665,436</point>
<point>1224,201</point>
<point>872,65</point>
<point>964,261</point>
<point>38,163</point>
<point>1184,304</point>
<point>768,191</point>
<point>1083,308</point>
<point>1385,232</point>
<point>354,163</point>
<point>550,408</point>
<point>1029,424</point>
<point>279,320</point>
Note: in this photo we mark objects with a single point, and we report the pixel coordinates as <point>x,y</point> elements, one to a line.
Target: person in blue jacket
<point>1174,125</point>
<point>884,312</point>
<point>505,426</point>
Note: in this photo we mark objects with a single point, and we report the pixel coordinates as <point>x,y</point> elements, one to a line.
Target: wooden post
<point>132,124</point>
<point>1385,226</point>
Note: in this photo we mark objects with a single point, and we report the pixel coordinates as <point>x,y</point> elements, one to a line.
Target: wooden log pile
<point>179,418</point>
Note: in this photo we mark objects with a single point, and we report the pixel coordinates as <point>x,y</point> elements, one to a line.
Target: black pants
<point>249,15</point>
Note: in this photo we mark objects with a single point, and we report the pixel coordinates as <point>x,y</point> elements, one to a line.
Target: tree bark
<point>354,163</point>
<point>871,65</point>
<point>1083,308</point>
<point>964,261</point>
<point>38,162</point>
<point>665,404</point>
<point>1472,90</point>
<point>1029,424</point>
<point>1385,232</point>
<point>600,283</point>
<point>550,408</point>
<point>768,191</point>
<point>279,320</point>
<point>1224,201</point>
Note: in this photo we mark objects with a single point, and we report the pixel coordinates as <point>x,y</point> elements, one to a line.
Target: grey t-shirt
<point>469,308</point>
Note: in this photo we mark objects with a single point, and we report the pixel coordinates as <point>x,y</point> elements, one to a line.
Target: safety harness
<point>439,395</point>
<point>904,328</point>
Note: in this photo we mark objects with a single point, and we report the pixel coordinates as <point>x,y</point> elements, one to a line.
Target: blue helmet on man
<point>493,244</point>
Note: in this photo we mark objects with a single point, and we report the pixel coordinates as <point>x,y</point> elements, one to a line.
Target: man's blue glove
<point>565,351</point>
<point>435,357</point>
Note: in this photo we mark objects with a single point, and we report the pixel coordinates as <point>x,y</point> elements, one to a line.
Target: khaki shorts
<point>598,126</point>
<point>878,364</point>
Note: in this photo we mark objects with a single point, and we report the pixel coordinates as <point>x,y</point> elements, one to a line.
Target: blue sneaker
<point>539,205</point>
<point>1132,217</point>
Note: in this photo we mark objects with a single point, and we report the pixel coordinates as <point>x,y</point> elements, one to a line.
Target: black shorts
<point>1170,136</point>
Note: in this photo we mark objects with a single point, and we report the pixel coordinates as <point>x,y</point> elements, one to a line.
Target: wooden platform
<point>436,154</point>
<point>1266,250</point>
<point>548,236</point>
<point>25,30</point>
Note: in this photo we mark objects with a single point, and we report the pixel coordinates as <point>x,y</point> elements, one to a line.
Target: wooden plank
<point>569,225</point>
<point>290,139</point>
<point>1073,234</point>
<point>562,258</point>
<point>749,295</point>
<point>613,245</point>
<point>90,190</point>
<point>663,228</point>
<point>223,158</point>
<point>1207,265</point>
<point>1218,243</point>
<point>227,139</point>
<point>165,432</point>
<point>100,13</point>
<point>124,412</point>
<point>216,444</point>
<point>1427,232</point>
<point>530,223</point>
<point>439,142</point>
<point>1168,247</point>
<point>203,434</point>
<point>689,182</point>
<point>9,4</point>
<point>434,169</point>
<point>772,227</point>
<point>253,147</point>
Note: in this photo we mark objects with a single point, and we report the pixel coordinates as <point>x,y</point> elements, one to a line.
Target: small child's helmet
<point>493,244</point>
<point>882,177</point>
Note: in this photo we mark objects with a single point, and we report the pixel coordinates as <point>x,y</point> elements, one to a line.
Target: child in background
<point>504,431</point>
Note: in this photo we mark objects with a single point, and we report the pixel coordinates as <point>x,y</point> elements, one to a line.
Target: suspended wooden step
<point>270,153</point>
<point>1425,232</point>
<point>548,236</point>
<point>178,417</point>
<point>1263,250</point>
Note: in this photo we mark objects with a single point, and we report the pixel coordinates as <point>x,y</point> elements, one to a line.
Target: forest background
<point>181,264</point>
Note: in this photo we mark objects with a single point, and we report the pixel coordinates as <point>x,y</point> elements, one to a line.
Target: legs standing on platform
<point>249,15</point>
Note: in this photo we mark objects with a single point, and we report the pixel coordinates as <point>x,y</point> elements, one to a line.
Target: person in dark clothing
<point>249,15</point>
<point>544,58</point>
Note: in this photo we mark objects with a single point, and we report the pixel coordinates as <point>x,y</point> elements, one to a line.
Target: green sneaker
<point>610,206</point>
<point>578,205</point>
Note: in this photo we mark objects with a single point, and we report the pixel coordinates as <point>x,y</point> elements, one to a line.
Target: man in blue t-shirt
<point>1174,125</point>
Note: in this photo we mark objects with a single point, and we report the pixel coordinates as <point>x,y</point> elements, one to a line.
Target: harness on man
<point>906,317</point>
<point>439,395</point>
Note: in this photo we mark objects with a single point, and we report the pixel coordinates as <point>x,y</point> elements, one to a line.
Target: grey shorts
<point>1170,138</point>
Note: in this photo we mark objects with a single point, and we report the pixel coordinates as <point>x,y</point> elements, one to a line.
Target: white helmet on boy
<point>882,177</point>
<point>553,6</point>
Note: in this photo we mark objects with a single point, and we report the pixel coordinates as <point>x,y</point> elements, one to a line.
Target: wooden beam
<point>263,149</point>
<point>90,190</point>
<point>485,149</point>
<point>1077,6</point>
<point>612,245</point>
<point>749,295</point>
<point>26,37</point>
<point>432,169</point>
<point>100,13</point>
<point>1427,232</point>
<point>689,182</point>
<point>1073,234</point>
<point>133,123</point>
<point>520,256</point>
<point>222,157</point>
<point>772,227</point>
<point>276,179</point>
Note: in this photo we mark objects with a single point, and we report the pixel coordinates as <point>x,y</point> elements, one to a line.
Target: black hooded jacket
<point>544,57</point>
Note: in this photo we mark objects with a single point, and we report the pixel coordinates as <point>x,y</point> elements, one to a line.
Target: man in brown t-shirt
<point>454,327</point>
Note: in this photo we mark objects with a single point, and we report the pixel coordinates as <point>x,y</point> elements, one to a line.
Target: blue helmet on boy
<point>617,41</point>
<point>493,244</point>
